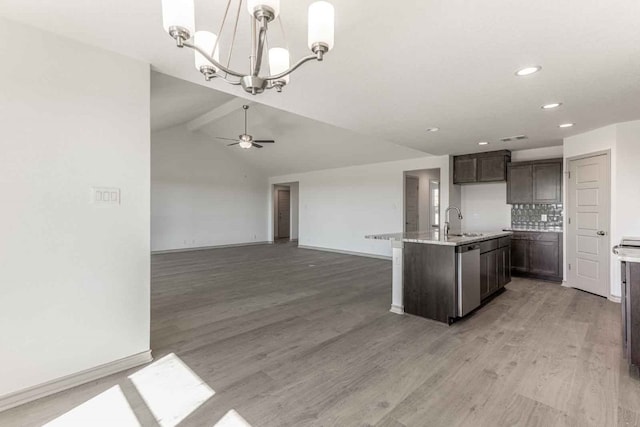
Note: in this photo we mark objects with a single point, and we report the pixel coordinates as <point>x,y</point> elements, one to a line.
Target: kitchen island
<point>444,278</point>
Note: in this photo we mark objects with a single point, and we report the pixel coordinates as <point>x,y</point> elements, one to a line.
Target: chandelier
<point>179,21</point>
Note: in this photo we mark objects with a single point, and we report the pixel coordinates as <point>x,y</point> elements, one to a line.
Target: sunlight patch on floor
<point>109,408</point>
<point>232,419</point>
<point>170,389</point>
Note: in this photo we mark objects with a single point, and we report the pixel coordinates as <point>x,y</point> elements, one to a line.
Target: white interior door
<point>588,240</point>
<point>411,203</point>
<point>284,219</point>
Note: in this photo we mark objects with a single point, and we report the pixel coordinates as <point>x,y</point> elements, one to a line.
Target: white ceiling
<point>396,71</point>
<point>302,144</point>
<point>174,101</point>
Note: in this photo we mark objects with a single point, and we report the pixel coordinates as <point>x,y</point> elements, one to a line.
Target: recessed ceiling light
<point>483,143</point>
<point>527,71</point>
<point>566,125</point>
<point>551,106</point>
<point>433,129</point>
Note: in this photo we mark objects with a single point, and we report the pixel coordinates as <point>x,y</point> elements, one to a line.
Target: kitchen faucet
<point>446,222</point>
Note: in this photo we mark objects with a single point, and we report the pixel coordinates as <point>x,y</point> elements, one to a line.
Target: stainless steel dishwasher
<point>468,271</point>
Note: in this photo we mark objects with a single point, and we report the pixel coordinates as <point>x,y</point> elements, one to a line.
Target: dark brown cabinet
<point>537,255</point>
<point>519,255</point>
<point>547,183</point>
<point>465,169</point>
<point>481,167</point>
<point>631,312</point>
<point>495,265</point>
<point>535,182</point>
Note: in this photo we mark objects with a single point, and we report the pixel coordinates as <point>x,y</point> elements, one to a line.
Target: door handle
<point>601,233</point>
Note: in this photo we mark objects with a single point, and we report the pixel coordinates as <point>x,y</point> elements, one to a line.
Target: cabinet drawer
<point>520,236</point>
<point>545,237</point>
<point>488,245</point>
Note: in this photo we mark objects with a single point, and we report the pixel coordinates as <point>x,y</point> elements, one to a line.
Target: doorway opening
<point>422,200</point>
<point>285,212</point>
<point>589,223</point>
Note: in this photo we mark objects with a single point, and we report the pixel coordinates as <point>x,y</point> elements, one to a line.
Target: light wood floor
<point>294,337</point>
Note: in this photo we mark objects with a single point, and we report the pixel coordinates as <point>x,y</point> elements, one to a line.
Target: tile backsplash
<point>533,216</point>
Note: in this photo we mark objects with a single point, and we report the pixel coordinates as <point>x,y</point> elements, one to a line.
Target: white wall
<point>485,207</point>
<point>424,196</point>
<point>338,207</point>
<point>74,276</point>
<point>202,194</point>
<point>294,210</point>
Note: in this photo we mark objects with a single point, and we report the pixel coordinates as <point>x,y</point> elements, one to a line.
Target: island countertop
<point>438,238</point>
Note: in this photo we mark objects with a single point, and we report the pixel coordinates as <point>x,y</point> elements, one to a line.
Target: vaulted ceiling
<point>400,68</point>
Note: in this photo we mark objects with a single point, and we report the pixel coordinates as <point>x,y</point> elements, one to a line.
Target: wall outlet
<point>543,218</point>
<point>105,196</point>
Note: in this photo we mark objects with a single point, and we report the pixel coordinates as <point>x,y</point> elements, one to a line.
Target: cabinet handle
<point>601,233</point>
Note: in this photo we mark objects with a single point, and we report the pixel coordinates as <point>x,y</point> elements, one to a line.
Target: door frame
<point>406,177</point>
<point>567,162</point>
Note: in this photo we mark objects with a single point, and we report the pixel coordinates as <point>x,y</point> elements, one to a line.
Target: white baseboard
<point>337,251</point>
<point>397,309</point>
<point>204,248</point>
<point>614,298</point>
<point>60,384</point>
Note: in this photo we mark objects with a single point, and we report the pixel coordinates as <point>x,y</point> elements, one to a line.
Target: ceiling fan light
<point>321,24</point>
<point>279,61</point>
<point>205,40</point>
<point>178,14</point>
<point>253,5</point>
<point>245,144</point>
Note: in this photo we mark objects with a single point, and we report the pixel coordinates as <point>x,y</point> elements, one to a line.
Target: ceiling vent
<point>514,138</point>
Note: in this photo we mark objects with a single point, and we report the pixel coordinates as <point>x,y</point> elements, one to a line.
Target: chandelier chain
<point>233,38</point>
<point>224,18</point>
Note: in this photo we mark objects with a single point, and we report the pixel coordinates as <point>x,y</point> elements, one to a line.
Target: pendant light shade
<point>274,5</point>
<point>178,13</point>
<point>279,62</point>
<point>205,40</point>
<point>321,24</point>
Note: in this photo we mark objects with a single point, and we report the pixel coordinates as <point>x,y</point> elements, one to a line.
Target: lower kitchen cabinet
<point>537,255</point>
<point>495,267</point>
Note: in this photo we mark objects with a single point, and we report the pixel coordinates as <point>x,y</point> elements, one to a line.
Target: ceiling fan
<point>245,140</point>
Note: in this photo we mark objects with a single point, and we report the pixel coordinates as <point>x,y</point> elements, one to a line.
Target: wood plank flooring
<point>295,337</point>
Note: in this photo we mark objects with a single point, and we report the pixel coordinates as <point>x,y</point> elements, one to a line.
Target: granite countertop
<point>628,254</point>
<point>437,238</point>
<point>535,230</point>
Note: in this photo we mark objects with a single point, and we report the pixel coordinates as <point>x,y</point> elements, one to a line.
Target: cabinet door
<point>465,170</point>
<point>500,268</point>
<point>544,258</point>
<point>520,255</point>
<point>484,276</point>
<point>507,264</point>
<point>492,270</point>
<point>547,183</point>
<point>519,184</point>
<point>492,169</point>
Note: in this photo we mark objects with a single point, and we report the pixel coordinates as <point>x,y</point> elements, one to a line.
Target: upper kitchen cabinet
<point>481,167</point>
<point>535,182</point>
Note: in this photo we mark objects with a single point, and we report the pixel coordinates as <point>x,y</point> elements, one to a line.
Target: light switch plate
<point>544,218</point>
<point>105,196</point>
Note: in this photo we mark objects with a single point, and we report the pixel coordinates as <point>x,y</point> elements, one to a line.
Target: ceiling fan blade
<point>228,139</point>
<point>235,143</point>
<point>256,145</point>
<point>265,141</point>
